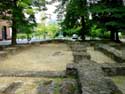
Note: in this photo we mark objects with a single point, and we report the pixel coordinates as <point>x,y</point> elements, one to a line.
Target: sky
<point>50,14</point>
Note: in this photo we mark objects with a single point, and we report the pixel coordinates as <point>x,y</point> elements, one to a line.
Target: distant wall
<point>8,31</point>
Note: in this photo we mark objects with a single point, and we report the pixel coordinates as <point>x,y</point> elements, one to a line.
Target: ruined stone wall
<point>91,77</point>
<point>111,52</point>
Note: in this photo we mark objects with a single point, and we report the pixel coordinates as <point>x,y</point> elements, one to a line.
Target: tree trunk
<point>14,29</point>
<point>83,28</point>
<point>112,36</point>
<point>14,34</point>
<point>117,37</point>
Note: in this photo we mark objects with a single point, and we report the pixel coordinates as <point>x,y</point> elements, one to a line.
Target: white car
<point>75,36</point>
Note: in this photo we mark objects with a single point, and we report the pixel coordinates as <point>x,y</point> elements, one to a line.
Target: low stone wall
<point>111,52</point>
<point>10,50</point>
<point>93,81</point>
<point>114,69</point>
<point>80,55</point>
<point>91,77</point>
<point>49,74</point>
<point>65,87</point>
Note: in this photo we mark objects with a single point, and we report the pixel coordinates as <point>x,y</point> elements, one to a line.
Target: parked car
<point>75,36</point>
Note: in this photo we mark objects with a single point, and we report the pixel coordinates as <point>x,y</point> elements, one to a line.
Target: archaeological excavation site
<point>63,67</point>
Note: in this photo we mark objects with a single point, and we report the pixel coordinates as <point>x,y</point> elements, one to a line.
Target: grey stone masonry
<point>115,69</point>
<point>68,87</point>
<point>92,79</point>
<point>46,88</point>
<point>112,52</point>
<point>80,55</point>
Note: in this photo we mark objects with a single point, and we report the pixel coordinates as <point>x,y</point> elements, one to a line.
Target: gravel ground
<point>44,57</point>
<point>98,56</point>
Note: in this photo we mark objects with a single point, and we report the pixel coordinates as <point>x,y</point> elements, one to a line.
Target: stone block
<point>78,56</point>
<point>68,87</point>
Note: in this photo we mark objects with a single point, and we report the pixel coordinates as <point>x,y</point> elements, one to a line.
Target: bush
<point>21,36</point>
<point>96,32</point>
<point>70,32</point>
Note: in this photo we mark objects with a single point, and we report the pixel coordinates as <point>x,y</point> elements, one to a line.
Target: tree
<point>110,14</point>
<point>50,29</point>
<point>16,9</point>
<point>75,14</point>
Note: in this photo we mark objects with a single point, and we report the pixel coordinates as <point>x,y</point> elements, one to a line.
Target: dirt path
<point>45,57</point>
<point>98,56</point>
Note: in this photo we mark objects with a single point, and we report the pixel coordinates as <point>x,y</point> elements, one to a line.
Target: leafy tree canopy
<point>16,10</point>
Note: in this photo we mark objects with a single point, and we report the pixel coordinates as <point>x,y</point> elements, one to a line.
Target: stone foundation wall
<point>114,69</point>
<point>111,52</point>
<point>91,77</point>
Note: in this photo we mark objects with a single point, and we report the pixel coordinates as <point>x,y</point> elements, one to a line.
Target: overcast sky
<point>49,12</point>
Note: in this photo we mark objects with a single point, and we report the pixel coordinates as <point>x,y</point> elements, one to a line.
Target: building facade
<point>5,30</point>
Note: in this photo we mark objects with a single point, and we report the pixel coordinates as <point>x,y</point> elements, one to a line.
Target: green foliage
<point>76,14</point>
<point>17,10</point>
<point>70,32</point>
<point>21,36</point>
<point>50,29</point>
<point>97,32</point>
<point>111,13</point>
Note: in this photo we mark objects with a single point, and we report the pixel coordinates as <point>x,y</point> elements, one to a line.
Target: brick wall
<point>7,24</point>
<point>0,34</point>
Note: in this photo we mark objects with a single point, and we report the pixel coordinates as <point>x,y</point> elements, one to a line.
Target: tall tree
<point>75,14</point>
<point>16,9</point>
<point>111,14</point>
